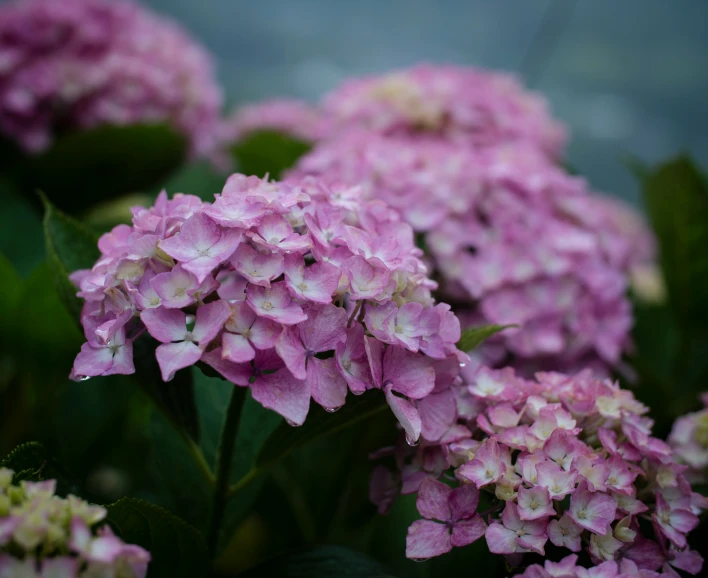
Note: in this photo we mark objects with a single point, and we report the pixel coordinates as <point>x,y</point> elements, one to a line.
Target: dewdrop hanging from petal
<point>294,290</point>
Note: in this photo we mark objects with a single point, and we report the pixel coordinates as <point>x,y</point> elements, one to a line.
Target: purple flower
<point>182,347</point>
<point>457,509</point>
<point>516,535</point>
<point>592,511</point>
<point>113,357</point>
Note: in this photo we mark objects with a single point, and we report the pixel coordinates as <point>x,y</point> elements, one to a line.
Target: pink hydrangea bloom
<point>462,105</point>
<point>292,117</point>
<point>45,536</point>
<point>689,441</point>
<point>511,236</point>
<point>582,480</point>
<point>269,286</point>
<point>78,64</point>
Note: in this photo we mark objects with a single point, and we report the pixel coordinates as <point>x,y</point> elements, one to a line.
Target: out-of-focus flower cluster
<point>470,161</point>
<point>77,64</point>
<point>563,459</point>
<point>292,117</point>
<point>689,441</point>
<point>293,290</point>
<point>45,536</point>
<point>512,238</point>
<point>460,105</point>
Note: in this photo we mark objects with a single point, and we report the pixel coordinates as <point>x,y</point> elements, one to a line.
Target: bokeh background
<point>628,77</point>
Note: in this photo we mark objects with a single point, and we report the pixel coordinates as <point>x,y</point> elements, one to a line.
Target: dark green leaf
<point>199,179</point>
<point>319,423</point>
<point>176,548</point>
<point>174,398</point>
<point>83,168</point>
<point>70,246</point>
<point>676,196</point>
<point>268,152</point>
<point>21,238</point>
<point>320,562</point>
<point>474,336</point>
<point>30,461</point>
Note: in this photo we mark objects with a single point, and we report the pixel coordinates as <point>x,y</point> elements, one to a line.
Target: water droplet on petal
<point>292,423</point>
<point>357,392</point>
<point>83,378</point>
<point>332,409</point>
<point>463,365</point>
<point>420,559</point>
<point>412,442</point>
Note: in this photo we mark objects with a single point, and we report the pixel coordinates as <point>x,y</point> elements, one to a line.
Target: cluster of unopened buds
<point>78,64</point>
<point>293,290</point>
<point>689,441</point>
<point>563,459</point>
<point>45,536</point>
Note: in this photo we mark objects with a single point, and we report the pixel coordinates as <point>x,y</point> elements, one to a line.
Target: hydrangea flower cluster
<point>45,536</point>
<point>565,460</point>
<point>293,290</point>
<point>461,105</point>
<point>292,117</point>
<point>512,238</point>
<point>689,441</point>
<point>77,64</point>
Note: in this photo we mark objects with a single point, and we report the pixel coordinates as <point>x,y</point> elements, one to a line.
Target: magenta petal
<point>92,361</point>
<point>175,356</point>
<point>463,501</point>
<point>238,373</point>
<point>284,394</point>
<point>123,360</point>
<point>467,531</point>
<point>433,500</point>
<point>406,413</point>
<point>327,386</point>
<point>427,539</point>
<point>324,328</point>
<point>165,325</point>
<point>291,350</point>
<point>236,348</point>
<point>264,333</point>
<point>210,320</point>
<point>411,374</point>
<point>438,412</point>
<point>500,540</point>
<point>374,353</point>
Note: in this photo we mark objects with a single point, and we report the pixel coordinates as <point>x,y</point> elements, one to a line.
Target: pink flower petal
<point>427,539</point>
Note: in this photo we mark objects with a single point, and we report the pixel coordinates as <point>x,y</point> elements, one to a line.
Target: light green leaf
<point>176,548</point>
<point>474,336</point>
<point>268,152</point>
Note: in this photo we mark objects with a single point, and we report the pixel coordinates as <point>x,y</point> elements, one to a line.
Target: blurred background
<point>628,78</point>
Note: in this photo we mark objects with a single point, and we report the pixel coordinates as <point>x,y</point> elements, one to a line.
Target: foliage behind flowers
<point>569,460</point>
<point>45,536</point>
<point>292,290</point>
<point>77,64</point>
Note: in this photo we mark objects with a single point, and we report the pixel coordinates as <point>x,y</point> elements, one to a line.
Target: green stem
<point>224,460</point>
<point>200,460</point>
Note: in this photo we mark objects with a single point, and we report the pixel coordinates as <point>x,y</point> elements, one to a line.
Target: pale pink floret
<point>114,357</point>
<point>516,535</point>
<point>592,511</point>
<point>565,533</point>
<point>486,467</point>
<point>244,332</point>
<point>316,282</point>
<point>181,347</point>
<point>201,245</point>
<point>456,509</point>
<point>275,303</point>
<point>534,503</point>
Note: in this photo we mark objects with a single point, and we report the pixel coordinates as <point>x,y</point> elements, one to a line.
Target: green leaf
<point>30,461</point>
<point>320,423</point>
<point>321,562</point>
<point>70,246</point>
<point>474,336</point>
<point>676,196</point>
<point>199,179</point>
<point>21,238</point>
<point>86,167</point>
<point>177,549</point>
<point>268,152</point>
